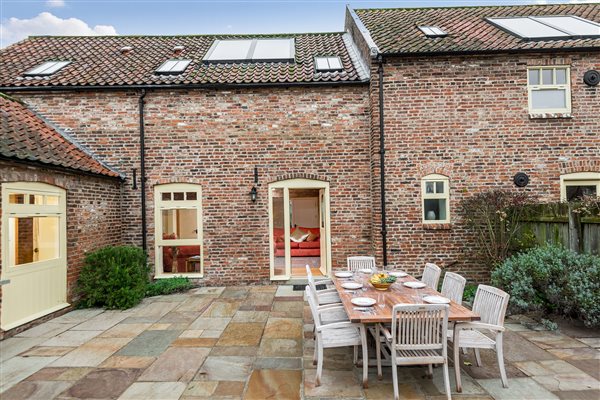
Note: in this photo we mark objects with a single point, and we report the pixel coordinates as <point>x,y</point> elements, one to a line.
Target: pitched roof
<point>26,136</point>
<point>98,61</point>
<point>396,30</point>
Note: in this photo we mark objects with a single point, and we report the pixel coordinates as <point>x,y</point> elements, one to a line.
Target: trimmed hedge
<point>552,279</point>
<point>113,277</point>
<point>168,286</point>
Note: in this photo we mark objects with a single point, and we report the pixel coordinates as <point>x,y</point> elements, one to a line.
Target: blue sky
<point>20,18</point>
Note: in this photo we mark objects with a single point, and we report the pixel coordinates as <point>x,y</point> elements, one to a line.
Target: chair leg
<point>355,358</point>
<point>465,351</point>
<point>500,354</point>
<point>457,366</point>
<point>447,381</point>
<point>378,351</point>
<point>395,377</point>
<point>319,365</point>
<point>315,353</point>
<point>477,357</point>
<point>430,371</point>
<point>365,357</point>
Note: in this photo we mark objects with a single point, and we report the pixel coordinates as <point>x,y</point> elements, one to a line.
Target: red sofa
<point>302,249</point>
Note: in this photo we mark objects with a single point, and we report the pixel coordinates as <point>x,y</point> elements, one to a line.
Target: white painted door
<point>280,223</point>
<point>34,255</point>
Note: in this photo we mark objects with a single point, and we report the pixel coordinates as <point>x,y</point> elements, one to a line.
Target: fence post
<point>574,230</point>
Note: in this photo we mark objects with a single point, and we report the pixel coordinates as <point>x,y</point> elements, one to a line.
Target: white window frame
<point>579,179</point>
<point>159,206</point>
<point>426,196</point>
<point>33,210</point>
<point>541,86</point>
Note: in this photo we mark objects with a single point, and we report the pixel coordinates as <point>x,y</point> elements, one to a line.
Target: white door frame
<point>286,185</point>
<point>36,288</point>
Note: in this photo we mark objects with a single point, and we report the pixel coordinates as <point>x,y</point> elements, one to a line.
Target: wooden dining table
<point>396,294</point>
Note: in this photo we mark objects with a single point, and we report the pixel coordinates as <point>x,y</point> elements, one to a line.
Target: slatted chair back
<point>453,287</point>
<point>361,262</point>
<point>311,280</point>
<point>431,275</point>
<point>420,327</point>
<point>311,296</point>
<point>490,303</point>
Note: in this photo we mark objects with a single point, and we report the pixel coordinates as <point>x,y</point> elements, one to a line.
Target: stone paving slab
<point>33,390</point>
<point>274,384</point>
<point>149,343</point>
<point>225,368</point>
<point>175,364</point>
<point>105,383</point>
<point>154,391</point>
<point>17,369</point>
<point>519,389</point>
<point>92,353</point>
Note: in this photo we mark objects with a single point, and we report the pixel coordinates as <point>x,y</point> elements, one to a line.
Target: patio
<point>256,343</point>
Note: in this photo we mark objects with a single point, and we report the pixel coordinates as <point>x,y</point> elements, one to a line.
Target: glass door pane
<point>280,265</point>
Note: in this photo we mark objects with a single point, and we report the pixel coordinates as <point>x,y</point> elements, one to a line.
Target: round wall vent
<point>521,179</point>
<point>591,77</point>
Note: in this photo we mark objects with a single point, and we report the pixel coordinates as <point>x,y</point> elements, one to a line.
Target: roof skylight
<point>548,27</point>
<point>47,68</point>
<point>173,67</point>
<point>259,50</point>
<point>433,31</point>
<point>324,64</point>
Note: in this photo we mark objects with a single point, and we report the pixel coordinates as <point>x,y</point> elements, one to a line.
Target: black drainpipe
<point>382,161</point>
<point>143,170</point>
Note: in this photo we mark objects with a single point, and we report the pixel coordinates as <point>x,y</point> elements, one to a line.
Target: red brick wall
<point>215,138</point>
<point>93,213</point>
<point>467,118</point>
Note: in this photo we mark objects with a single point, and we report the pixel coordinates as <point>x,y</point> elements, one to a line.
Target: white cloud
<point>55,3</point>
<point>15,29</point>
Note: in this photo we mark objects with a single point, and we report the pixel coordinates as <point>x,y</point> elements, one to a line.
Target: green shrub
<point>552,279</point>
<point>168,286</point>
<point>113,277</point>
<point>469,293</point>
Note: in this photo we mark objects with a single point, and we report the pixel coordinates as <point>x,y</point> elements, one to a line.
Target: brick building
<point>262,154</point>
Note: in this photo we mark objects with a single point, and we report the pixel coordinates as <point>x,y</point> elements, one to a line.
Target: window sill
<point>550,115</point>
<point>437,227</point>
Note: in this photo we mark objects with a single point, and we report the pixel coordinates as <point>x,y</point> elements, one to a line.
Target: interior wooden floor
<point>301,271</point>
<point>299,266</point>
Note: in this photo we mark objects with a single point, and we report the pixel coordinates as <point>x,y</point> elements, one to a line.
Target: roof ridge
<point>474,6</point>
<point>208,35</point>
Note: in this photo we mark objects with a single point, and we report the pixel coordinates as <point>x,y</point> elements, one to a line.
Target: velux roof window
<point>251,50</point>
<point>173,67</point>
<point>47,68</point>
<point>433,31</point>
<point>326,64</point>
<point>558,27</point>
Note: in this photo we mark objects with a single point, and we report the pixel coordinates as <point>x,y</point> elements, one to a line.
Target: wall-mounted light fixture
<point>253,191</point>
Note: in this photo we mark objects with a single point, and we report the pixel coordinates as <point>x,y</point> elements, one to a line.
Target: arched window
<point>435,194</point>
<point>178,222</point>
<point>573,186</point>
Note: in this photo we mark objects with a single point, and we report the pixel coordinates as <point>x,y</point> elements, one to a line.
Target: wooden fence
<point>556,231</point>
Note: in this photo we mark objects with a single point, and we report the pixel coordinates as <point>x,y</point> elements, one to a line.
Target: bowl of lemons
<point>382,281</point>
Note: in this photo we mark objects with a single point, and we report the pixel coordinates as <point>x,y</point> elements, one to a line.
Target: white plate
<point>414,284</point>
<point>352,285</point>
<point>398,274</point>
<point>343,274</point>
<point>366,270</point>
<point>363,301</point>
<point>436,299</point>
